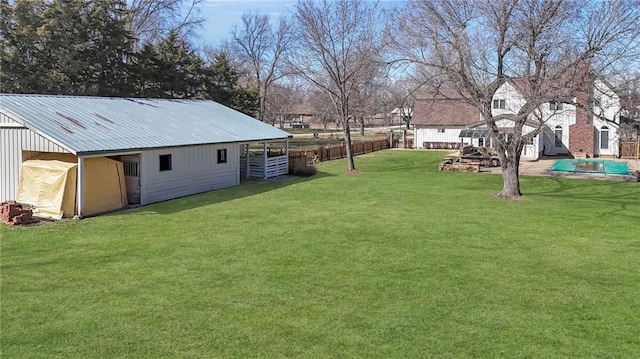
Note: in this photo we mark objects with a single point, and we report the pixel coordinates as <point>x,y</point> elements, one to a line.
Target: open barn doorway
<point>131,165</point>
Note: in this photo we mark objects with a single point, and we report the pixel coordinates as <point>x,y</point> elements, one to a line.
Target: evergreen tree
<point>21,53</point>
<point>222,86</point>
<point>170,69</point>
<point>88,47</point>
<point>79,47</point>
<point>65,47</point>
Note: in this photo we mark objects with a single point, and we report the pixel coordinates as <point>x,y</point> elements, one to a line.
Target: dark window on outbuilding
<point>222,155</point>
<point>165,163</point>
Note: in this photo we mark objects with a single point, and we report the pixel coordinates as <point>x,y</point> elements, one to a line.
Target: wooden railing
<point>276,166</point>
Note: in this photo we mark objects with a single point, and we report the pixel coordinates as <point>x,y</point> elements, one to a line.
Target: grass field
<point>401,261</point>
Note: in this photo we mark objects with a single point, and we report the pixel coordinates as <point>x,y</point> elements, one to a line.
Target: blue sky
<point>221,15</point>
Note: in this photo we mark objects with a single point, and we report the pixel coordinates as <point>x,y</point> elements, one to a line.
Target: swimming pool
<point>594,166</point>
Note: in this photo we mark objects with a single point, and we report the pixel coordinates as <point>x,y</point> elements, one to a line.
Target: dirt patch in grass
<point>353,172</point>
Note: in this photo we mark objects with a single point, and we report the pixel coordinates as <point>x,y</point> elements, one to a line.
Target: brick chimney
<point>582,133</point>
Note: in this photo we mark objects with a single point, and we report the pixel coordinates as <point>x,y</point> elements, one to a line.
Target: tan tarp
<point>49,183</point>
<point>105,188</point>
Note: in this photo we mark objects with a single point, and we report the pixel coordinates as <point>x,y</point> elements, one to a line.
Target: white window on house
<point>604,137</point>
<point>441,130</point>
<point>222,155</point>
<point>165,163</point>
<point>480,142</point>
<point>529,141</point>
<point>555,106</point>
<point>558,136</point>
<point>499,104</point>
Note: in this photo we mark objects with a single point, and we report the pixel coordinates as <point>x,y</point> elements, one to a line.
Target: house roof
<point>444,107</point>
<point>108,124</point>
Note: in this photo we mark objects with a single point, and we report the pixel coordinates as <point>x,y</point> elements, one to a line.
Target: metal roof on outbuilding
<point>108,124</point>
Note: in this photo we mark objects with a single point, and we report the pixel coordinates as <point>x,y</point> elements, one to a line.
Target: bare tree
<point>261,48</point>
<point>553,48</point>
<point>629,90</point>
<point>339,44</point>
<point>321,106</point>
<point>402,97</point>
<point>151,20</point>
<point>369,99</point>
<point>285,102</point>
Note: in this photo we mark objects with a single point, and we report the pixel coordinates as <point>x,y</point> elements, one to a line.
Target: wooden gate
<point>630,149</point>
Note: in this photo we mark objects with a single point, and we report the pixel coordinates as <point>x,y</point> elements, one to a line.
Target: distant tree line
<point>98,48</point>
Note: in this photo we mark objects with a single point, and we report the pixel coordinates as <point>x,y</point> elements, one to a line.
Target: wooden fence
<point>630,149</point>
<point>327,153</point>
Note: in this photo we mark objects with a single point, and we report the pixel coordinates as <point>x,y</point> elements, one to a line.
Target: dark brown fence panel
<point>327,153</point>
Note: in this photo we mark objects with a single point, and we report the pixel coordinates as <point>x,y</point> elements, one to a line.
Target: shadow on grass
<point>247,188</point>
<point>624,195</point>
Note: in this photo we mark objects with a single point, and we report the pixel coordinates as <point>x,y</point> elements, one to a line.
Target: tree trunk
<point>262,105</point>
<point>510,177</point>
<point>347,142</point>
<point>361,126</point>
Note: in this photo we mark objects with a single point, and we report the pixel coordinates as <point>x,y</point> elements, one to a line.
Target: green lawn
<point>402,261</point>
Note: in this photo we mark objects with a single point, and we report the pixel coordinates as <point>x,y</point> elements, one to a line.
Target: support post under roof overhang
<point>264,160</point>
<point>247,158</point>
<point>80,188</point>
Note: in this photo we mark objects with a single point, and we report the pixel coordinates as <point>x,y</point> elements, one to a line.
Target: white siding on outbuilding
<point>194,169</point>
<point>14,139</point>
<point>447,135</point>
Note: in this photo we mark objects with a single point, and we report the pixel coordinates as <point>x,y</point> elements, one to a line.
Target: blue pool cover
<point>606,167</point>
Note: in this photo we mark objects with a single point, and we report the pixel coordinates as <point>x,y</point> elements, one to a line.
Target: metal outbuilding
<point>169,147</point>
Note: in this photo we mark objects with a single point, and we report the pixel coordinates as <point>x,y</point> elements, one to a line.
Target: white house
<point>445,120</point>
<point>169,148</point>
